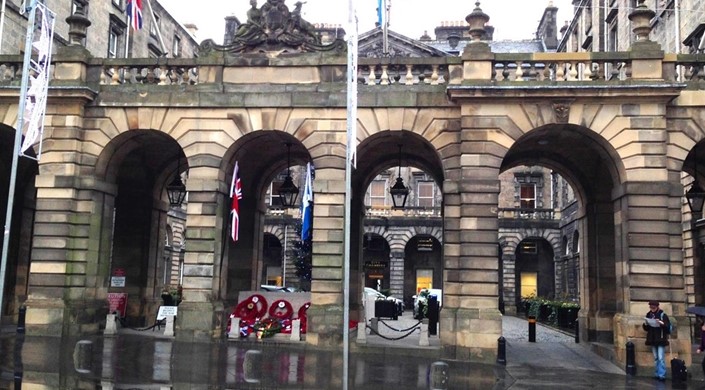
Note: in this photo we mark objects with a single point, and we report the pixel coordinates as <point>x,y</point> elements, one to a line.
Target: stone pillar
<point>509,283</point>
<point>201,313</point>
<point>649,228</point>
<point>477,56</point>
<point>396,274</point>
<point>470,320</point>
<point>325,316</point>
<point>647,56</point>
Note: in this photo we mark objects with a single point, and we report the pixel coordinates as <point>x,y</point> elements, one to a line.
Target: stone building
<point>108,29</point>
<point>97,200</point>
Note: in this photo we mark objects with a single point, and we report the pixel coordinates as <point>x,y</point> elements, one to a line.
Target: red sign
<point>119,272</point>
<point>117,302</point>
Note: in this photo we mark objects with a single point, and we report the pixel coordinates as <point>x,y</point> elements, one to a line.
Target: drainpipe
<point>2,21</point>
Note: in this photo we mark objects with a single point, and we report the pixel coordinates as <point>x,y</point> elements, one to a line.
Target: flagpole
<point>156,27</point>
<point>16,147</point>
<point>350,154</point>
<point>127,35</point>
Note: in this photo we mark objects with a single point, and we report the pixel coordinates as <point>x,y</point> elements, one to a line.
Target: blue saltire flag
<point>379,13</point>
<point>307,205</point>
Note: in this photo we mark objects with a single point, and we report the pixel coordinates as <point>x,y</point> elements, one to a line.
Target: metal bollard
<point>532,329</point>
<point>577,331</point>
<point>502,351</point>
<point>22,314</point>
<point>631,359</point>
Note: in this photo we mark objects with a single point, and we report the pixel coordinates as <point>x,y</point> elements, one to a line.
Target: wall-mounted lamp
<point>695,195</point>
<point>399,191</point>
<point>176,190</point>
<point>288,192</point>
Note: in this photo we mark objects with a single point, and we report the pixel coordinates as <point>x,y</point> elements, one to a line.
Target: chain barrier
<point>392,338</point>
<point>400,330</point>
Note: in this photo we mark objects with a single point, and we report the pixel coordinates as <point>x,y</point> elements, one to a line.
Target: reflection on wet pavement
<point>135,362</point>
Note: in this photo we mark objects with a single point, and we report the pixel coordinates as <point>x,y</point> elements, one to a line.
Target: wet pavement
<point>140,360</point>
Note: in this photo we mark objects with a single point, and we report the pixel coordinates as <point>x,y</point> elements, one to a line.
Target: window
<point>113,38</point>
<point>116,36</point>
<point>79,5</point>
<point>528,282</point>
<point>425,194</point>
<point>528,196</point>
<point>154,26</point>
<point>273,197</point>
<point>378,193</point>
<point>176,47</point>
<point>612,36</point>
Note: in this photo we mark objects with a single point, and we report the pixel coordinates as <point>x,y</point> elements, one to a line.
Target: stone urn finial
<point>78,27</point>
<point>477,20</point>
<point>641,20</point>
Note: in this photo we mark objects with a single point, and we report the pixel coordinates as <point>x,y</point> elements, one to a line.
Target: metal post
<point>532,329</point>
<point>16,147</point>
<point>502,351</point>
<point>631,359</point>
<point>21,319</point>
<point>349,155</point>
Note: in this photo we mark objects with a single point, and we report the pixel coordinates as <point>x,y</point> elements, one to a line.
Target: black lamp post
<point>399,191</point>
<point>176,190</point>
<point>288,192</point>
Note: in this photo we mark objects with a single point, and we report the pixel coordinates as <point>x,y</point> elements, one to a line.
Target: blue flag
<point>307,205</point>
<point>379,12</point>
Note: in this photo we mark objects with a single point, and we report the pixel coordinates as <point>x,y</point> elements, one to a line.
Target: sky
<point>512,19</point>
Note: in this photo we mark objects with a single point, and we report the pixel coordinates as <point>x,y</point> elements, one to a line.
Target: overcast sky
<point>512,19</point>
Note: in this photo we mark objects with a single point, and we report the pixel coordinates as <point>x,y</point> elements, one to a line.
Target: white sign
<point>165,311</point>
<point>117,281</point>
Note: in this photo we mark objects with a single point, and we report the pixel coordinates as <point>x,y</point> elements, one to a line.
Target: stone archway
<point>137,164</point>
<point>16,281</point>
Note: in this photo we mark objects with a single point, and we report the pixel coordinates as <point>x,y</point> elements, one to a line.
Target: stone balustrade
<point>387,211</point>
<point>139,72</point>
<point>403,71</point>
<point>523,213</point>
<point>407,71</point>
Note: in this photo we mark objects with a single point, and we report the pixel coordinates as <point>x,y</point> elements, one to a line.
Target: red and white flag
<point>134,12</point>
<point>236,195</point>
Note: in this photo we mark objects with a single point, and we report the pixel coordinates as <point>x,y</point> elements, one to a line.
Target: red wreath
<point>251,308</point>
<point>302,316</point>
<point>281,310</point>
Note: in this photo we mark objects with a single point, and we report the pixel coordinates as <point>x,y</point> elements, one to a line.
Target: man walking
<point>657,326</point>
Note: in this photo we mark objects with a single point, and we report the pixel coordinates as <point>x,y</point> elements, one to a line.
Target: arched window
<point>564,246</point>
<point>576,242</point>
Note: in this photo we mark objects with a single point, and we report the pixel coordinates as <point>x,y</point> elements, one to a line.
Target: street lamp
<point>288,192</point>
<point>176,190</point>
<point>695,195</point>
<point>399,191</point>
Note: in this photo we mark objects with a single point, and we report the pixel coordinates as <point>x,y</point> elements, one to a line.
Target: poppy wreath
<point>251,308</point>
<point>302,316</point>
<point>281,310</point>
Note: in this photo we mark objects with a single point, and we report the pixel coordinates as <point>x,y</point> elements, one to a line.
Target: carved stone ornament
<point>561,111</point>
<point>273,28</point>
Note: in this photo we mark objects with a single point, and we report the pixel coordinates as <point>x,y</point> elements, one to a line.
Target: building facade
<point>96,202</point>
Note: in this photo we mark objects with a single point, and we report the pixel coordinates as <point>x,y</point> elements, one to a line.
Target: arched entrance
<point>139,164</point>
<point>18,257</point>
<point>592,168</point>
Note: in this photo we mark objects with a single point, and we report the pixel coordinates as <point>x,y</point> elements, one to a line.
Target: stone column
<point>396,274</point>
<point>62,291</point>
<point>200,311</point>
<point>325,316</point>
<point>649,228</point>
<point>470,320</point>
<point>509,283</point>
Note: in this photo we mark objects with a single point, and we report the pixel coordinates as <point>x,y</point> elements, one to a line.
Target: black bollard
<point>577,331</point>
<point>502,351</point>
<point>532,329</point>
<point>22,314</point>
<point>631,359</point>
